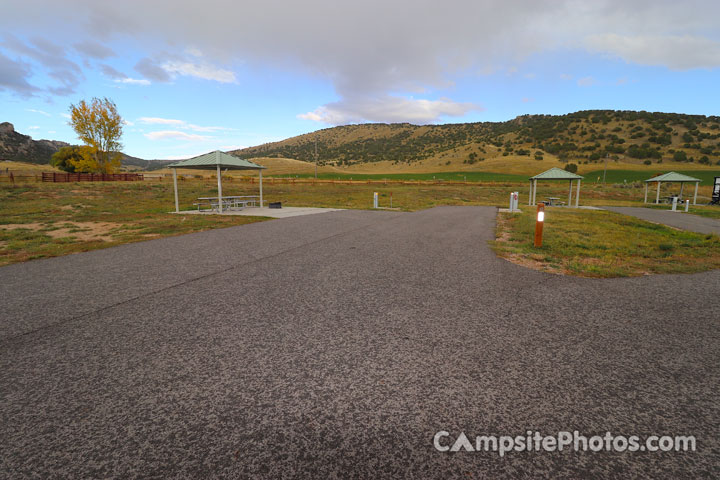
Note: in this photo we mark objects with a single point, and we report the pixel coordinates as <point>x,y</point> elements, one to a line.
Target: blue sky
<point>193,77</point>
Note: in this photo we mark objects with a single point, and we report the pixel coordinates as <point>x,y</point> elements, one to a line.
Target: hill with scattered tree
<point>584,137</point>
<point>15,146</point>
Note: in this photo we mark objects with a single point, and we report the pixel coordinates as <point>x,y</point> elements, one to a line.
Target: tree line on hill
<point>585,137</point>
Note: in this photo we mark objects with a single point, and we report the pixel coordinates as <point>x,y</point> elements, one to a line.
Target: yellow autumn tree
<point>99,126</point>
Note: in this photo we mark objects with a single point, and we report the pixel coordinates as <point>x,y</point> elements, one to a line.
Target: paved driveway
<point>336,346</point>
<point>685,221</point>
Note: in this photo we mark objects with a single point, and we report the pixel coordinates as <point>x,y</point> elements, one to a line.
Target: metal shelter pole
<point>177,205</point>
<point>577,195</point>
<point>534,191</point>
<point>695,197</point>
<point>657,197</point>
<point>570,195</point>
<point>646,189</point>
<point>261,198</point>
<point>530,194</point>
<point>219,190</point>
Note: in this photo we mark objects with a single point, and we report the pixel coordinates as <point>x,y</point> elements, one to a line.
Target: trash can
<point>275,204</point>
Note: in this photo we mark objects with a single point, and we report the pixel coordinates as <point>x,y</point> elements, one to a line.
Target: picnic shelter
<point>217,161</point>
<point>672,177</point>
<point>556,174</point>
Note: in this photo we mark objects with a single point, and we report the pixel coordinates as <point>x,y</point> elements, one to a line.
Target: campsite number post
<point>540,219</point>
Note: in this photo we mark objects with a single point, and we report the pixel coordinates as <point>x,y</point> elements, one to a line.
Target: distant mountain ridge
<point>22,148</point>
<point>584,137</point>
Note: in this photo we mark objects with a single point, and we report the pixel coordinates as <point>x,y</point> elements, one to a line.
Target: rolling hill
<point>15,146</point>
<point>629,139</point>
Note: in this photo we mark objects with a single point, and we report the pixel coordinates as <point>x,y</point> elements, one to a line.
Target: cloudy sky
<point>190,77</point>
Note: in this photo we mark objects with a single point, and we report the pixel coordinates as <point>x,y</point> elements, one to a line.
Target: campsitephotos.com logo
<point>573,441</point>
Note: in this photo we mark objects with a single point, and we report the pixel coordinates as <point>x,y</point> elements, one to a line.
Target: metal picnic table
<point>230,202</point>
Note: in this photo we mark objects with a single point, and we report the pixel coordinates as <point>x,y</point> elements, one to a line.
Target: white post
<point>512,201</point>
<point>570,195</point>
<point>646,189</point>
<point>657,197</point>
<point>261,199</point>
<point>375,200</point>
<point>534,192</point>
<point>674,204</point>
<point>695,197</point>
<point>219,190</point>
<point>687,205</point>
<point>530,194</point>
<point>177,205</point>
<point>577,195</point>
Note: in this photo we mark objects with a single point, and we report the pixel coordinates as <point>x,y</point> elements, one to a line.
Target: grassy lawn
<point>440,176</point>
<point>46,220</point>
<point>621,176</point>
<point>592,243</point>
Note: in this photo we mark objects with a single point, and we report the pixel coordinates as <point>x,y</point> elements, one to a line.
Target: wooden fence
<point>91,177</point>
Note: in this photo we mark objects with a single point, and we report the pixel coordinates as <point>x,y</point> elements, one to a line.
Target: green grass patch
<point>593,243</point>
<point>621,176</point>
<point>442,176</point>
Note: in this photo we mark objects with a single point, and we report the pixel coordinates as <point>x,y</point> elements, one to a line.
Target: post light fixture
<point>539,224</point>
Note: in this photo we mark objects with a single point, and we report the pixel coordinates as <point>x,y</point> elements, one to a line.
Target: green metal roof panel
<point>213,159</point>
<point>673,177</point>
<point>556,174</point>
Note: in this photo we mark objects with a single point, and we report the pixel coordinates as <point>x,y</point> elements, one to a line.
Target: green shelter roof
<point>673,177</point>
<point>556,174</point>
<point>214,159</point>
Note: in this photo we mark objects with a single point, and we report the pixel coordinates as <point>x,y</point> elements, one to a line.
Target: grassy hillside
<point>631,141</point>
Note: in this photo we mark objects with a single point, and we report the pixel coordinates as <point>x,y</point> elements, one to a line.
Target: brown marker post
<point>540,219</point>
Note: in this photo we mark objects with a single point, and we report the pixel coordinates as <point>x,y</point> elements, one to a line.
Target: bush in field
<point>571,167</point>
<point>67,158</point>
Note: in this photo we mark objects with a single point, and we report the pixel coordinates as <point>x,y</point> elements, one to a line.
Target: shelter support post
<point>177,205</point>
<point>219,189</point>
<point>530,194</point>
<point>261,199</point>
<point>646,189</point>
<point>682,184</point>
<point>570,195</point>
<point>695,197</point>
<point>577,195</point>
<point>657,197</point>
<point>534,191</point>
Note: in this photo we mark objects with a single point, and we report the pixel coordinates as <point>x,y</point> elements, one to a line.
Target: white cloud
<point>181,124</point>
<point>205,71</point>
<point>586,82</point>
<point>160,121</point>
<point>33,127</point>
<point>52,131</point>
<point>133,81</point>
<point>175,135</point>
<point>41,112</point>
<point>65,115</point>
<point>677,52</point>
<point>368,49</point>
<point>565,76</point>
<point>387,109</point>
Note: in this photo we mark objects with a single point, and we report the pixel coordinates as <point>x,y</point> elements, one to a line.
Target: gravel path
<point>336,346</point>
<point>682,220</point>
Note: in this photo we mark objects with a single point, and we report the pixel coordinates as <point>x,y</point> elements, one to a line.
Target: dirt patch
<point>532,263</point>
<point>82,231</point>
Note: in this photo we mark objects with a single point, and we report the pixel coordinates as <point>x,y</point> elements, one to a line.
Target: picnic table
<point>230,202</point>
<point>553,201</point>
